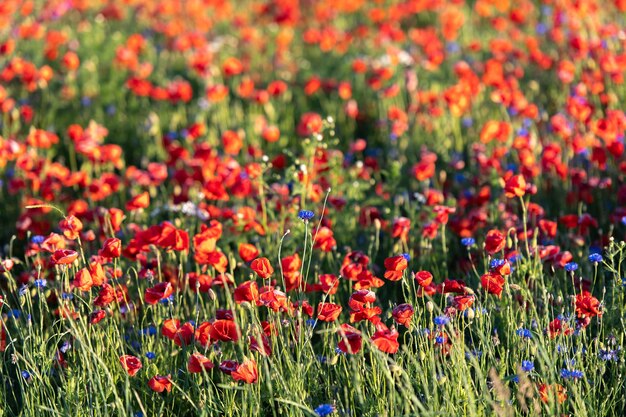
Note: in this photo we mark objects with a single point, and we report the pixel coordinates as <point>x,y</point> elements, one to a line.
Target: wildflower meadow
<point>312,208</point>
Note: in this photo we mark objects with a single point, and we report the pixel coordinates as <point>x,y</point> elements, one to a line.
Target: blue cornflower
<point>167,300</point>
<point>324,410</point>
<point>37,239</point>
<point>496,263</point>
<point>41,283</point>
<point>407,257</point>
<point>474,354</point>
<point>528,366</point>
<point>608,355</point>
<point>65,346</point>
<point>311,322</point>
<point>306,215</point>
<point>23,290</point>
<point>441,320</point>
<point>148,331</point>
<point>67,296</point>
<point>440,340</point>
<point>525,333</point>
<point>571,266</point>
<point>576,374</point>
<point>26,375</point>
<point>150,355</point>
<point>541,29</point>
<point>467,121</point>
<point>452,47</point>
<point>468,241</point>
<point>595,258</point>
<point>573,374</point>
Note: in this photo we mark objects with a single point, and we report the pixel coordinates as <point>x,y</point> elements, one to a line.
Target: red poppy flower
<point>556,391</point>
<point>106,296</point>
<point>493,283</point>
<point>271,134</point>
<point>97,316</point>
<point>370,313</point>
<point>160,383</point>
<point>385,339</point>
<point>587,305</point>
<point>228,366</point>
<point>199,363</point>
<point>558,327</point>
<point>82,280</point>
<point>170,327</point>
<point>98,277</point>
<point>424,278</point>
<point>402,314</point>
<point>494,241</point>
<point>246,372</point>
<point>515,186</point>
<point>224,330</point>
<point>324,239</point>
<point>200,282</point>
<point>328,311</point>
<point>395,266</point>
<point>264,348</point>
<point>248,252</point>
<point>262,267</point>
<point>247,292</point>
<point>184,335</point>
<point>131,364</point>
<point>361,299</point>
<point>463,302</point>
<point>64,256</point>
<point>203,334</point>
<point>171,238</point>
<point>159,292</point>
<point>400,228</point>
<point>140,201</point>
<point>112,248</point>
<point>329,283</point>
<point>273,299</point>
<point>350,339</point>
<point>71,227</point>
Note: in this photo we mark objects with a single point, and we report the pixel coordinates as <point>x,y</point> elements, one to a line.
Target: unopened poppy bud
<point>212,295</point>
<point>377,224</point>
<point>430,306</point>
<point>470,313</point>
<point>395,369</point>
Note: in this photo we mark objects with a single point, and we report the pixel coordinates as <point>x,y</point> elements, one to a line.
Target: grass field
<point>312,208</point>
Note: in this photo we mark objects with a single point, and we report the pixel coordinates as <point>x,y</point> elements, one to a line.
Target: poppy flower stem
<point>524,221</point>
